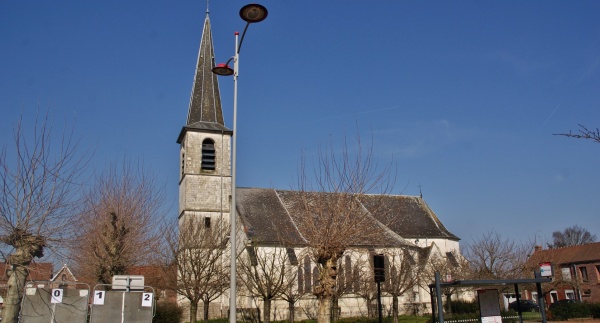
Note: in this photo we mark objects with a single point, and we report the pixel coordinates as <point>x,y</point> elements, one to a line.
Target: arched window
<point>307,278</point>
<point>208,155</point>
<point>300,281</point>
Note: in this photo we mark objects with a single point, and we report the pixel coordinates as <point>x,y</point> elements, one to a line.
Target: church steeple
<point>205,101</point>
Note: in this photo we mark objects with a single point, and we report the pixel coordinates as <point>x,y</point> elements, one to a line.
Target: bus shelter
<point>438,285</point>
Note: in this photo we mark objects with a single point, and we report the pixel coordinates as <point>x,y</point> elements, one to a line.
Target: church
<point>265,215</point>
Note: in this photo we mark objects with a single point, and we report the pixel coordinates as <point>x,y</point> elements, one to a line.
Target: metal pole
<point>541,298</point>
<point>438,292</point>
<point>232,211</point>
<point>379,309</point>
<point>519,309</point>
<point>433,305</point>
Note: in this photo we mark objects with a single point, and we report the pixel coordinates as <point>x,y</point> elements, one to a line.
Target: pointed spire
<point>205,102</point>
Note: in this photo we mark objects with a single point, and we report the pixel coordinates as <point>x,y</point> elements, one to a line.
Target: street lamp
<point>250,13</point>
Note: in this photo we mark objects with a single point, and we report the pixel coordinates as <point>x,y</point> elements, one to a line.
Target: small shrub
<point>570,310</point>
<point>595,310</point>
<point>463,307</point>
<point>167,312</point>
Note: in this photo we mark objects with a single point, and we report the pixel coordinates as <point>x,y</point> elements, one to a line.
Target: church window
<point>207,222</point>
<point>307,278</point>
<point>292,256</point>
<point>252,255</point>
<point>300,281</point>
<point>208,155</point>
<point>182,163</point>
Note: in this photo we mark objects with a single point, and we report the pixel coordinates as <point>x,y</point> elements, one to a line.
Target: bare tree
<point>493,257</point>
<point>452,266</point>
<point>39,177</point>
<point>117,227</point>
<point>402,275</point>
<point>194,261</point>
<point>571,236</point>
<point>364,278</point>
<point>333,222</point>
<point>584,133</point>
<point>266,274</point>
<point>294,291</point>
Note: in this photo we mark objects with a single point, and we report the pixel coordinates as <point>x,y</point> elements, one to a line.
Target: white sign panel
<point>147,300</point>
<point>57,296</point>
<point>546,269</point>
<point>99,297</point>
<point>489,306</point>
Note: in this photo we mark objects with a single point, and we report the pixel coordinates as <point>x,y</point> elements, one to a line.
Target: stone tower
<point>205,169</point>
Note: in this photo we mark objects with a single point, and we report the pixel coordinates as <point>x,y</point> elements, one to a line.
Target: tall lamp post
<point>250,13</point>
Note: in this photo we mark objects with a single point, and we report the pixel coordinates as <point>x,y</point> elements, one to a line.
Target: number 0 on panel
<point>57,296</point>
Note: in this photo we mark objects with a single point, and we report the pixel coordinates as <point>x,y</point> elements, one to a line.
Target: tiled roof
<point>567,255</point>
<point>269,214</point>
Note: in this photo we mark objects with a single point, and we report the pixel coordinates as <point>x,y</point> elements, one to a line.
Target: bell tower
<point>205,163</point>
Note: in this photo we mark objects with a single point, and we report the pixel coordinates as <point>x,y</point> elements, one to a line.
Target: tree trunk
<point>334,309</point>
<point>206,307</point>
<point>324,314</point>
<point>14,294</point>
<point>448,303</point>
<point>291,311</point>
<point>193,311</point>
<point>395,307</point>
<point>267,310</point>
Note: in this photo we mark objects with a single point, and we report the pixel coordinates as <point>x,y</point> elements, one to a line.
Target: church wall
<point>192,145</point>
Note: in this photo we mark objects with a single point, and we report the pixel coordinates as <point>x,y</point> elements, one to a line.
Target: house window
<point>584,274</point>
<point>534,296</point>
<point>207,222</point>
<point>208,155</point>
<point>587,292</point>
<point>569,294</point>
<point>553,296</point>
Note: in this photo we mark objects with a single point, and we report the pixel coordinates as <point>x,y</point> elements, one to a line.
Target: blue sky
<point>463,97</point>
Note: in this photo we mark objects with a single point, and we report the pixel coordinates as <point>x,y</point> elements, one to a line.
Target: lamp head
<point>222,69</point>
<point>253,12</point>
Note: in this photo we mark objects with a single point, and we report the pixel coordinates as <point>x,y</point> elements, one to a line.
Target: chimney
<point>537,248</point>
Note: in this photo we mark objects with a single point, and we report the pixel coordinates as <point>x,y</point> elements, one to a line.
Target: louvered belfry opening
<point>208,155</point>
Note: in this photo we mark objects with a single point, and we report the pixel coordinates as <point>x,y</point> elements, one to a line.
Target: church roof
<point>268,217</point>
<point>205,112</point>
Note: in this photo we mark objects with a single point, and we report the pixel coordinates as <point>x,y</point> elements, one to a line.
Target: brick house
<point>576,272</point>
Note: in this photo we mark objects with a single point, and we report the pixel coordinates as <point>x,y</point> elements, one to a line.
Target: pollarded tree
<point>194,259</point>
<point>117,227</point>
<point>266,273</point>
<point>333,222</point>
<point>40,178</point>
<point>571,236</point>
